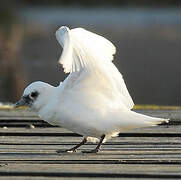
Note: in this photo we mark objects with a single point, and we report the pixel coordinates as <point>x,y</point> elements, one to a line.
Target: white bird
<point>93,100</point>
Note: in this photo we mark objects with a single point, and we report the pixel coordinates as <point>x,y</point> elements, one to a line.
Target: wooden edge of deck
<point>155,107</point>
<point>136,107</point>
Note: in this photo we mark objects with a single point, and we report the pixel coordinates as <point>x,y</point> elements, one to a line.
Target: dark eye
<point>34,94</point>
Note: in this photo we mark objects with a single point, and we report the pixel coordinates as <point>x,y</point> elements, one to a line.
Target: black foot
<point>66,150</point>
<point>92,151</point>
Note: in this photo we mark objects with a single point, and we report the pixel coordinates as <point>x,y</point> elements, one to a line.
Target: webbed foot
<point>92,151</point>
<point>66,150</point>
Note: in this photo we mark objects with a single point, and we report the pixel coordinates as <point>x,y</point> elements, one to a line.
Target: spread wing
<point>88,58</point>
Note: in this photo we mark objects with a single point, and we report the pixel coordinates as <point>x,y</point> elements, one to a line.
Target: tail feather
<point>160,121</point>
<point>148,120</point>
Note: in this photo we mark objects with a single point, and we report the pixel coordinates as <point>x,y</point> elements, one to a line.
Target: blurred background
<point>147,35</point>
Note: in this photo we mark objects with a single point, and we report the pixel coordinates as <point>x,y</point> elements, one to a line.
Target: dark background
<point>147,35</point>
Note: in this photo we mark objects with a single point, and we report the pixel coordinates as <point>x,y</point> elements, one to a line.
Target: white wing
<point>87,56</point>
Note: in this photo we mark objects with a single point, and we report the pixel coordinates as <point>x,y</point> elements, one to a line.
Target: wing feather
<point>91,54</point>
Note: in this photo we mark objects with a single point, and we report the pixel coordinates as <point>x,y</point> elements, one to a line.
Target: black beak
<point>20,103</point>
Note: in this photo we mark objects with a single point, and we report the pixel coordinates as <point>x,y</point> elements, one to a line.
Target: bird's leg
<point>74,148</point>
<point>98,148</point>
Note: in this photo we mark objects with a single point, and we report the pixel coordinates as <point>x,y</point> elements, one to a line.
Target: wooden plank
<point>46,154</point>
<point>162,128</point>
<point>41,178</point>
<point>26,120</point>
<point>26,125</point>
<point>92,175</point>
<point>63,140</point>
<point>64,178</point>
<point>127,168</point>
<point>57,134</point>
<point>159,131</point>
<point>85,162</point>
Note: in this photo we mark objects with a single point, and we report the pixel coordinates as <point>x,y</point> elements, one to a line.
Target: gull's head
<point>36,95</point>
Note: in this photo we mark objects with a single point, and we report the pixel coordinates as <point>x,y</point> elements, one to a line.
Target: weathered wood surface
<point>29,152</point>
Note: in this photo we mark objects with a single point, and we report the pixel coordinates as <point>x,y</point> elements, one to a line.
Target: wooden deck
<point>28,151</point>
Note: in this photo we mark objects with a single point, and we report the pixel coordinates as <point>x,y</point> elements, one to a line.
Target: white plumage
<point>93,100</point>
<point>91,55</point>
